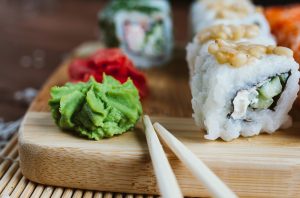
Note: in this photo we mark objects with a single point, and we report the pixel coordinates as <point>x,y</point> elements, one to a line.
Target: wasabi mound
<point>95,110</point>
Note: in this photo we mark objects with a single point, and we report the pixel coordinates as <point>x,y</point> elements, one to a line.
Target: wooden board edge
<point>48,161</point>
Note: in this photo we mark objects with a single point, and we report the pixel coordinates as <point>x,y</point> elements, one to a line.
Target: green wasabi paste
<point>95,110</point>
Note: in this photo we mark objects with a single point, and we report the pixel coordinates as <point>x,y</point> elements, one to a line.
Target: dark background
<point>35,35</point>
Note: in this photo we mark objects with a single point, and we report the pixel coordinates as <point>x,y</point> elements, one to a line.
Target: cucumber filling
<point>262,96</point>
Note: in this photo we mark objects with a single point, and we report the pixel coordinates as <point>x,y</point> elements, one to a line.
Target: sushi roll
<point>141,28</point>
<point>235,33</point>
<point>285,25</point>
<point>244,89</point>
<point>205,13</point>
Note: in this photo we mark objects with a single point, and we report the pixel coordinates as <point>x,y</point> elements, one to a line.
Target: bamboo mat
<point>14,184</point>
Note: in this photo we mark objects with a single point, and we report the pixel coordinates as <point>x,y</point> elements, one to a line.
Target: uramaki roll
<point>142,29</point>
<point>244,89</point>
<point>285,25</point>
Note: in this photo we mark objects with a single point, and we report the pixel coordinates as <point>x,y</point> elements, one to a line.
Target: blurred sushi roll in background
<point>198,48</point>
<point>141,28</point>
<point>244,89</point>
<point>205,13</point>
<point>285,25</point>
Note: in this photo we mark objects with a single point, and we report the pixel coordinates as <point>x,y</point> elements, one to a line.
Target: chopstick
<point>212,182</point>
<point>165,177</point>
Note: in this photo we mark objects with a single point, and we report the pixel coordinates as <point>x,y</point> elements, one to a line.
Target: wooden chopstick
<point>212,182</point>
<point>165,177</point>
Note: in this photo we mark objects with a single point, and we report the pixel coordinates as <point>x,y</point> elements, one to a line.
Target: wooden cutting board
<point>261,166</point>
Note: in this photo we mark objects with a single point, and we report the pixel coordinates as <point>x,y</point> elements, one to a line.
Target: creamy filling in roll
<point>263,95</point>
<point>143,37</point>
